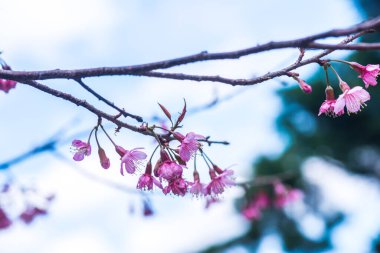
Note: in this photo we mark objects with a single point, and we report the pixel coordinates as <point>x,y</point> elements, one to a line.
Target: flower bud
<point>304,86</point>
<point>120,150</point>
<point>329,93</point>
<point>104,160</point>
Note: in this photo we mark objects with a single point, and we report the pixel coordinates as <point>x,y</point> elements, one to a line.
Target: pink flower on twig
<point>81,149</point>
<point>197,188</point>
<point>367,73</point>
<point>328,105</point>
<point>178,186</point>
<point>253,210</point>
<point>189,144</point>
<point>146,180</point>
<point>169,170</point>
<point>130,160</point>
<point>284,195</point>
<point>353,99</point>
<point>218,183</point>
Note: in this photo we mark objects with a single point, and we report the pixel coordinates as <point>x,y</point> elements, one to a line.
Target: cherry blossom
<point>131,159</point>
<point>254,209</point>
<point>197,188</point>
<point>367,73</point>
<point>284,196</point>
<point>81,149</point>
<point>169,170</point>
<point>178,186</point>
<point>218,183</point>
<point>328,105</point>
<point>146,180</point>
<point>353,99</point>
<point>189,144</point>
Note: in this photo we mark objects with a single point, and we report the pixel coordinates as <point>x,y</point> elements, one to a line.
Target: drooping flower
<point>353,99</point>
<point>104,160</point>
<point>178,186</point>
<point>254,209</point>
<point>81,149</point>
<point>303,85</point>
<point>284,195</point>
<point>189,144</point>
<point>328,105</point>
<point>197,188</point>
<point>367,73</point>
<point>131,159</point>
<point>146,180</point>
<point>219,182</point>
<point>169,170</point>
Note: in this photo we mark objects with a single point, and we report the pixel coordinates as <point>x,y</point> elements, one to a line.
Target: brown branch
<point>305,42</point>
<point>121,111</point>
<point>244,82</point>
<point>86,105</point>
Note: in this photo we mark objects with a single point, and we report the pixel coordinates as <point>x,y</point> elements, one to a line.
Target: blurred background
<point>273,128</point>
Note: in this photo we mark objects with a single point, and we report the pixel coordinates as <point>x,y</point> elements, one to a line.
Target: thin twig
<point>122,111</point>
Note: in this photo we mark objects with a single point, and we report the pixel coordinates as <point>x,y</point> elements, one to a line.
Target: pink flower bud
<point>120,150</point>
<point>304,86</point>
<point>104,160</point>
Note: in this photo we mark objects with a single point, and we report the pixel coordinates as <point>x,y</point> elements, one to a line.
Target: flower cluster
<point>279,197</point>
<point>33,205</point>
<point>167,174</point>
<point>351,99</point>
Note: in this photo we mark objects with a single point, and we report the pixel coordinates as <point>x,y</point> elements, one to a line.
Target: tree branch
<point>121,111</point>
<point>305,42</point>
<point>244,82</point>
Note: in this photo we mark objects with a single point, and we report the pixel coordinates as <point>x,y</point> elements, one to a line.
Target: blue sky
<point>88,216</point>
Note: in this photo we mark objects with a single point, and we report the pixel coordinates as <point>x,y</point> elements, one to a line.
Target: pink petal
<point>78,156</point>
<point>352,104</point>
<point>339,104</point>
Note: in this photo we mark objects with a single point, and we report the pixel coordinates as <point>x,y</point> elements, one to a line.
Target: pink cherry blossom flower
<point>189,144</point>
<point>81,149</point>
<point>178,186</point>
<point>285,195</point>
<point>353,99</point>
<point>367,73</point>
<point>197,188</point>
<point>328,105</point>
<point>104,160</point>
<point>218,183</point>
<point>131,160</point>
<point>253,210</point>
<point>169,170</point>
<point>146,180</point>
